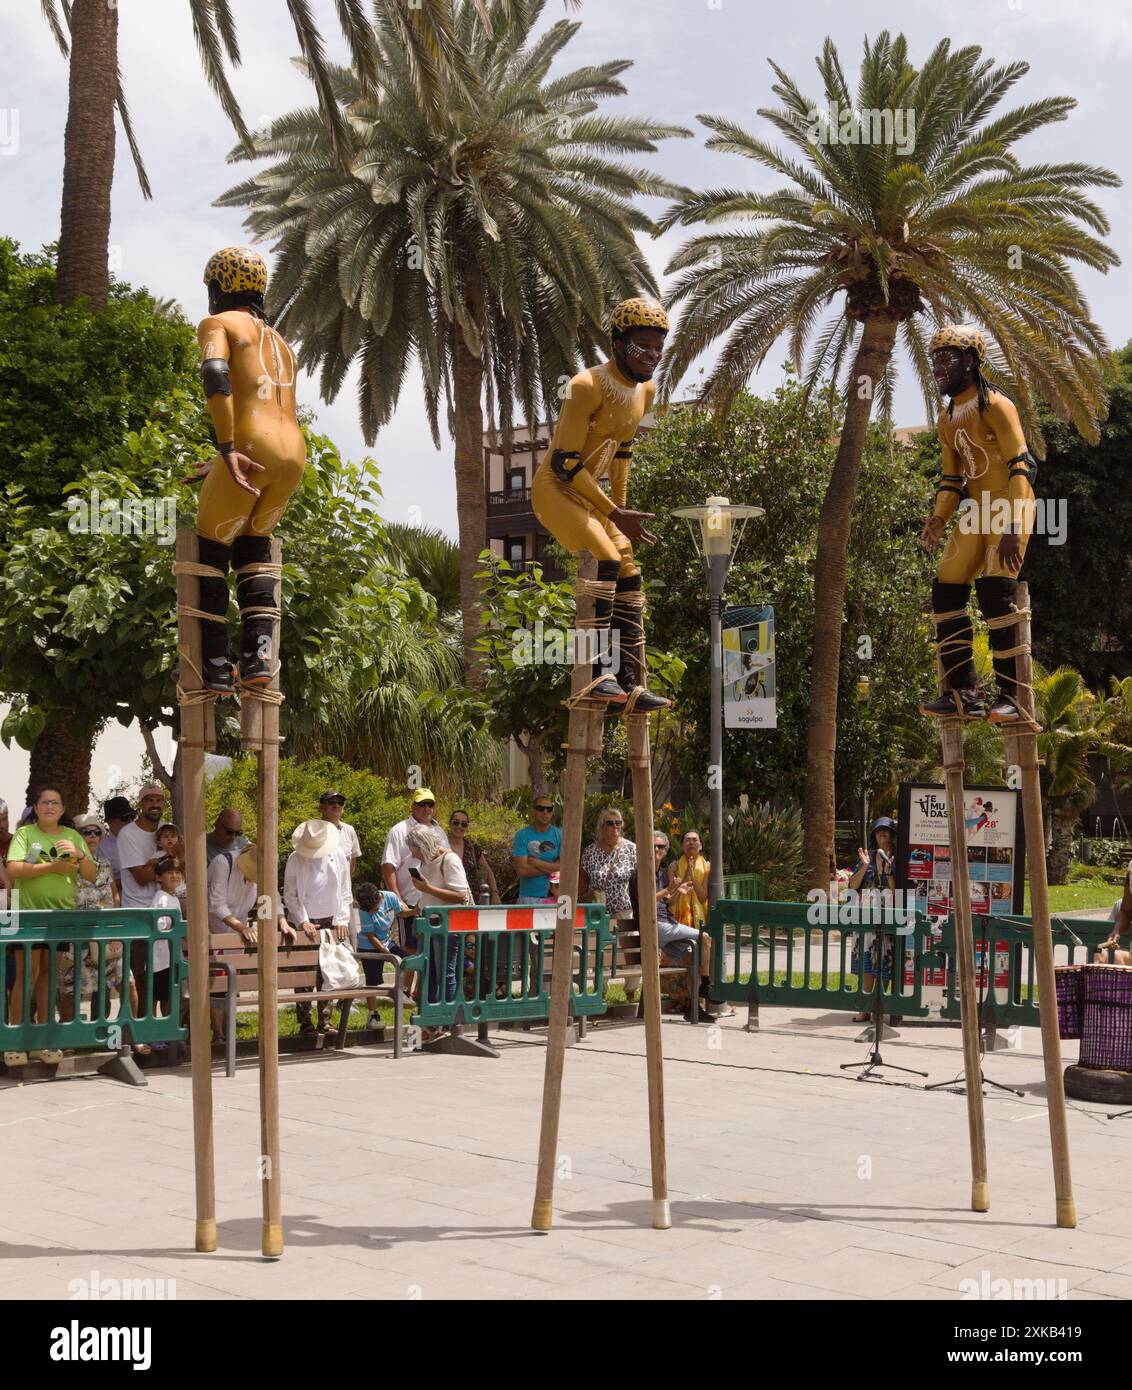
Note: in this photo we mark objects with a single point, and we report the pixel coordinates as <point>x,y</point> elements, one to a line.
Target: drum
<point>1106,1023</point>
<point>1070,981</point>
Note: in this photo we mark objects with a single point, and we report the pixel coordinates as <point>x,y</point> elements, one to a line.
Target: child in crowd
<point>170,881</point>
<point>377,911</point>
<point>171,845</point>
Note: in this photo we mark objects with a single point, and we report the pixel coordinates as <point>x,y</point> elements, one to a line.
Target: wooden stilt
<point>951,734</point>
<point>195,713</point>
<point>951,738</point>
<point>640,760</point>
<point>1020,748</point>
<point>583,739</point>
<point>260,731</point>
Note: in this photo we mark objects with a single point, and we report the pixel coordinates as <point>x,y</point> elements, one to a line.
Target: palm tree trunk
<point>61,758</point>
<point>88,154</point>
<point>471,505</point>
<point>1060,855</point>
<point>829,598</point>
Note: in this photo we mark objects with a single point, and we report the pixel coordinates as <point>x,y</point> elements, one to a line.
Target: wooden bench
<point>626,965</point>
<point>234,980</point>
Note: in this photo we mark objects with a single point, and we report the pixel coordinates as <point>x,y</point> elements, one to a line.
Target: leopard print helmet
<point>961,335</point>
<point>237,269</point>
<point>638,313</point>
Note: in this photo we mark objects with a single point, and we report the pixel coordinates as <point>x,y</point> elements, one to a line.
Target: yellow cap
<point>423,795</point>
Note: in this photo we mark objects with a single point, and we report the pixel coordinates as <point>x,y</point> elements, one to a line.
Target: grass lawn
<point>1095,893</point>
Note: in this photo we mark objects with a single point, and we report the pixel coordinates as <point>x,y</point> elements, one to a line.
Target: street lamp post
<point>717,528</point>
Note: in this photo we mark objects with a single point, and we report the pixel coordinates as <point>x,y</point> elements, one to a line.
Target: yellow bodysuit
<point>977,448</point>
<point>259,417</point>
<point>600,417</point>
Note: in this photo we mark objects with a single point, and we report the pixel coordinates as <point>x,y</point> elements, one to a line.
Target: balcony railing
<point>516,499</point>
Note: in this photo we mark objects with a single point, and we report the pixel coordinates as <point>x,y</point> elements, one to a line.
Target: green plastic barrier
<point>1017,1001</point>
<point>745,887</point>
<point>801,954</point>
<point>111,1023</point>
<point>506,951</point>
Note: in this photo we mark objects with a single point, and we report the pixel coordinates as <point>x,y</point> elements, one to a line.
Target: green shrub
<point>768,841</point>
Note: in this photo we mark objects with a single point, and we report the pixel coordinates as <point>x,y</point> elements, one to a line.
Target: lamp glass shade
<point>716,526</point>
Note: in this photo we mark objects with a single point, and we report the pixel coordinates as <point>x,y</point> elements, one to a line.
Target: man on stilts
<point>593,439</point>
<point>985,459</point>
<point>248,373</point>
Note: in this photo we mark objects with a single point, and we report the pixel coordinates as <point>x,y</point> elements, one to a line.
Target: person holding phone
<point>877,871</point>
<point>46,859</point>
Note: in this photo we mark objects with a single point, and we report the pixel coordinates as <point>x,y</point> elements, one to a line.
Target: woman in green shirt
<point>45,860</point>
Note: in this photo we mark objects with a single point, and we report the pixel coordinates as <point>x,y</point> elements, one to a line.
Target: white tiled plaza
<point>414,1179</point>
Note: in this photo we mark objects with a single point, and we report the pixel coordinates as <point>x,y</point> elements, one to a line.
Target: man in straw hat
<point>316,895</point>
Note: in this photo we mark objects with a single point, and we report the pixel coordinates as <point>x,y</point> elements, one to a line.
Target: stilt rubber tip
<point>661,1214</point>
<point>272,1242</point>
<point>1067,1213</point>
<point>206,1235</point>
<point>980,1196</point>
<point>542,1218</point>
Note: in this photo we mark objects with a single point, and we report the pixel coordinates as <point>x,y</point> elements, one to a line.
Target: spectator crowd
<point>132,856</point>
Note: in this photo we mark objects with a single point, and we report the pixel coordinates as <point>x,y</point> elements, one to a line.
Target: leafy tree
<point>485,234</point>
<point>1081,591</point>
<point>74,384</point>
<point>890,233</point>
<point>777,454</point>
<point>1077,727</point>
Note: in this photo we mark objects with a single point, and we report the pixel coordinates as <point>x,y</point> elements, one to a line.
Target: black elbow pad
<point>214,377</point>
<point>558,464</point>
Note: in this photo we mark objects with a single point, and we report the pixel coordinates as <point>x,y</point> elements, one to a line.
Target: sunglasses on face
<point>335,801</point>
<point>426,803</point>
<point>459,824</point>
<point>544,809</point>
<point>91,832</point>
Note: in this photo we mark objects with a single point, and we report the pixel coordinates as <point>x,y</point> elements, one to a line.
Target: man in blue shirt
<point>537,852</point>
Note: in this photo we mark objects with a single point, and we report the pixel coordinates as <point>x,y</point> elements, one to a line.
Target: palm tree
<point>486,235</point>
<point>86,32</point>
<point>871,242</point>
<point>429,557</point>
<point>1077,726</point>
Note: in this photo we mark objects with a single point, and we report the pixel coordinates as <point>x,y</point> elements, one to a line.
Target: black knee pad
<point>608,570</point>
<point>996,595</point>
<point>629,583</point>
<point>214,592</point>
<point>253,590</point>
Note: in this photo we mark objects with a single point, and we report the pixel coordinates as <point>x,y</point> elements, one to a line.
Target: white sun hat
<point>315,839</point>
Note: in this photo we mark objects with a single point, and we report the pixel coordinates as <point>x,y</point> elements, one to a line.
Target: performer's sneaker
<point>951,702</point>
<point>217,675</point>
<point>1005,711</point>
<point>255,671</point>
<point>646,702</point>
<point>607,689</point>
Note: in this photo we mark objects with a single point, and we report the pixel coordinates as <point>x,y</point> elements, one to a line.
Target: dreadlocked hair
<point>237,299</point>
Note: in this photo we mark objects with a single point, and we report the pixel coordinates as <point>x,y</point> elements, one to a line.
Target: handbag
<point>339,967</point>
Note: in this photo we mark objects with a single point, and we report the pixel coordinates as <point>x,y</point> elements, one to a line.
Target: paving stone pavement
<point>414,1179</point>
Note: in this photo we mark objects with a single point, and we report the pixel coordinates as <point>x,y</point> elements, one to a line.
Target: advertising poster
<point>748,669</point>
<point>996,859</point>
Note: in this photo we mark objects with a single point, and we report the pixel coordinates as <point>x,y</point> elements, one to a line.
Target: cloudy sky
<point>690,56</point>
